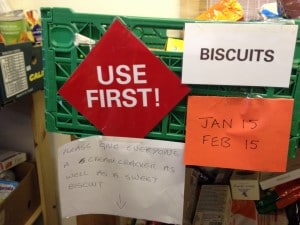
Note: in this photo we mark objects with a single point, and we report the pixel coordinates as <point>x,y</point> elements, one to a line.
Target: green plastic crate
<point>61,58</point>
<point>293,147</point>
<point>297,45</point>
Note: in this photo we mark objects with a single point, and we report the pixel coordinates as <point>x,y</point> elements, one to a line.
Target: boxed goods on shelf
<point>21,71</point>
<point>10,159</point>
<point>18,207</point>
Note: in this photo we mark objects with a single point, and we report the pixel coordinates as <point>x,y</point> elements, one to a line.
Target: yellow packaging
<point>224,10</point>
<point>33,19</point>
<point>174,45</point>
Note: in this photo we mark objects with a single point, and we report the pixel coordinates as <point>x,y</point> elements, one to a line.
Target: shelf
<point>34,216</point>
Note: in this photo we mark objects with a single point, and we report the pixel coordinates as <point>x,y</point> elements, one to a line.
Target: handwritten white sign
<point>254,54</point>
<point>138,178</point>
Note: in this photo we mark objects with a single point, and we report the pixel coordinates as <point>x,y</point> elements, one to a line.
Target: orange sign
<point>238,133</point>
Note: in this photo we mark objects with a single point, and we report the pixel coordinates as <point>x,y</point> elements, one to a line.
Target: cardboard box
<point>270,180</point>
<point>214,205</point>
<point>21,71</point>
<point>191,194</point>
<point>245,185</point>
<point>277,218</point>
<point>18,207</point>
<point>9,159</point>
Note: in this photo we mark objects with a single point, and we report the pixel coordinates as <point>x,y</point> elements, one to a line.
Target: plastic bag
<point>225,10</point>
<point>289,8</point>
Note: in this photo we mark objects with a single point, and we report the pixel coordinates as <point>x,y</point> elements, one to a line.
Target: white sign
<point>138,178</point>
<point>238,54</point>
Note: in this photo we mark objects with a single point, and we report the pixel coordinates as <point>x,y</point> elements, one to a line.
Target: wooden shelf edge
<point>34,216</point>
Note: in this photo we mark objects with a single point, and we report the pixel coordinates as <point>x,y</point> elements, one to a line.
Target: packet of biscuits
<point>224,10</point>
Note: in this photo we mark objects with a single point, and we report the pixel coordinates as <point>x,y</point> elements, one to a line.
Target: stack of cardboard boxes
<point>242,197</point>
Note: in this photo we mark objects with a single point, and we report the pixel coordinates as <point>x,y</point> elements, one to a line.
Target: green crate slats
<point>61,58</point>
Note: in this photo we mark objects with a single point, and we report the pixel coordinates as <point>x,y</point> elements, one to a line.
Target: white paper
<point>138,178</point>
<point>268,61</point>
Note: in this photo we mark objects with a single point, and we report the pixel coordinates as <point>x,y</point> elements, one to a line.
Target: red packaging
<point>287,188</point>
<point>288,200</point>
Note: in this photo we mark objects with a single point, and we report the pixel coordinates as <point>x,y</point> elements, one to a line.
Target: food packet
<point>33,19</point>
<point>226,10</point>
<point>289,8</point>
<point>280,197</point>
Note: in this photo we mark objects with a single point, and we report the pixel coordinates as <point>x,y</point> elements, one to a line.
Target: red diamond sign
<point>121,87</point>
